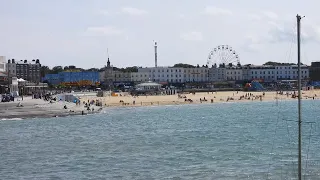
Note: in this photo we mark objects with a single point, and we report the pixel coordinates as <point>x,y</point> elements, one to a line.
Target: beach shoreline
<point>38,108</point>
<point>198,98</point>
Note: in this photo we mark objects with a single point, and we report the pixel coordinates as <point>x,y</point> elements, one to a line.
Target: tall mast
<point>155,54</point>
<point>299,98</point>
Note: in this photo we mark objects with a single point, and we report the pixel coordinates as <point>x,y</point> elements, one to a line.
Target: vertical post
<point>155,55</point>
<point>8,78</point>
<point>299,98</point>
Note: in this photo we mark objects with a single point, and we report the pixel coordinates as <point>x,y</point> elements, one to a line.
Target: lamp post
<point>22,93</point>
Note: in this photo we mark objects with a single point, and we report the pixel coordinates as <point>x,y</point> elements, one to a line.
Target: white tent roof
<point>20,80</point>
<point>149,83</point>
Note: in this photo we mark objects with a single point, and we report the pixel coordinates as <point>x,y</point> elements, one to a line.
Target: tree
<point>127,69</point>
<point>101,69</point>
<point>44,70</point>
<point>131,69</point>
<point>57,69</point>
<point>181,65</point>
<point>272,63</point>
<point>93,69</point>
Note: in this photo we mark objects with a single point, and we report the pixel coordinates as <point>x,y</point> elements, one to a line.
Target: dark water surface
<point>255,140</point>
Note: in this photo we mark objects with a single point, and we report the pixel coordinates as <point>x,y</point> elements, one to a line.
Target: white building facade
<point>265,73</point>
<point>217,74</point>
<point>160,74</point>
<point>200,74</point>
<point>213,74</point>
<point>275,73</point>
<point>291,72</point>
<point>140,77</point>
<point>3,64</point>
<point>234,74</point>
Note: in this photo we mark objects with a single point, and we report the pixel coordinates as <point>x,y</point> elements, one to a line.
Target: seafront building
<point>3,64</point>
<point>84,78</point>
<point>315,71</point>
<point>269,73</point>
<point>24,69</point>
<point>110,77</point>
<point>176,75</point>
<point>263,73</point>
<point>159,74</point>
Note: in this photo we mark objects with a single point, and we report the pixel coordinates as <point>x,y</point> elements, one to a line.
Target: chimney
<point>155,54</point>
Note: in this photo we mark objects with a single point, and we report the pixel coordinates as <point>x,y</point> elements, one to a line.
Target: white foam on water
<point>11,119</point>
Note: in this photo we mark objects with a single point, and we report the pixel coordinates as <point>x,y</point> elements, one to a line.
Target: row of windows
<point>264,72</point>
<point>234,73</point>
<point>253,72</point>
<point>278,77</point>
<point>285,67</point>
<point>201,75</point>
<point>179,70</point>
<point>265,77</point>
<point>296,67</point>
<point>173,80</point>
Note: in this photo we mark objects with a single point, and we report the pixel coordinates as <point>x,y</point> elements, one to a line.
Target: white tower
<point>155,54</point>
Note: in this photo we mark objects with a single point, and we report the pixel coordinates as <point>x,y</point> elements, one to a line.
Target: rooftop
<point>3,74</point>
<point>37,61</point>
<point>28,62</point>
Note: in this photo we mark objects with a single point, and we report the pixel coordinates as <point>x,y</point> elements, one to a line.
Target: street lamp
<point>22,93</point>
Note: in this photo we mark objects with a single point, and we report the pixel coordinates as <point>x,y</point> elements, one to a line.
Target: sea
<point>219,141</point>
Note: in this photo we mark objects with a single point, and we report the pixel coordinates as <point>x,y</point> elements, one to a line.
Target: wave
<point>11,119</point>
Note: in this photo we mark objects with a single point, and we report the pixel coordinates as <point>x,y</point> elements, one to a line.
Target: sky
<point>81,32</point>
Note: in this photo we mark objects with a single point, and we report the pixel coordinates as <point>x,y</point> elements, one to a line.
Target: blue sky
<point>78,32</point>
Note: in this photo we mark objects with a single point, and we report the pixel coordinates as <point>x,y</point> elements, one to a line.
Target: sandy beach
<point>216,97</point>
<point>33,108</point>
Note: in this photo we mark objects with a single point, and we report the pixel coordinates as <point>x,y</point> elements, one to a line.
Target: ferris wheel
<point>223,55</point>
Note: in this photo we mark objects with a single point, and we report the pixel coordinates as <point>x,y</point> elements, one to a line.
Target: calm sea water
<point>256,140</point>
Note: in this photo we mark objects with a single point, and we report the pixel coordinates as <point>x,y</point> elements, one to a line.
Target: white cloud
<point>191,36</point>
<point>280,31</point>
<point>104,30</point>
<point>254,17</point>
<point>270,14</point>
<point>212,10</point>
<point>104,12</point>
<point>133,11</point>
<point>182,16</point>
<point>252,43</point>
<point>253,39</point>
<point>252,47</point>
<point>283,31</point>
